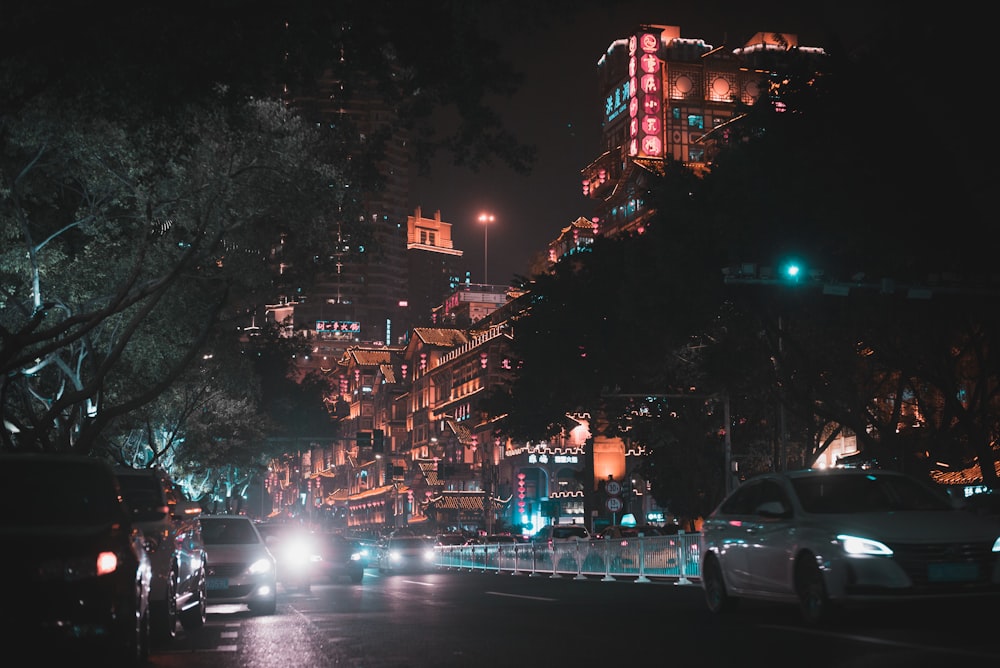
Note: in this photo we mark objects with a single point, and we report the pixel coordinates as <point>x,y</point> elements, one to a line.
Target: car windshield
<point>865,493</point>
<point>220,531</point>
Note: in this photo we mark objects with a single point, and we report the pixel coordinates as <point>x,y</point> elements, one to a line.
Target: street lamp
<point>486,219</point>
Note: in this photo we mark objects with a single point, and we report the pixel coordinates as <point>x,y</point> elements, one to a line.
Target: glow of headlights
<point>262,565</point>
<point>355,556</point>
<point>855,545</point>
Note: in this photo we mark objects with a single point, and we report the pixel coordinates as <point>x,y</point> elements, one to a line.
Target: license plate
<point>952,572</point>
<point>217,583</point>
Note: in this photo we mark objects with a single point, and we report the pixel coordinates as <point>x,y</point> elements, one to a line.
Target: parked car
<point>406,553</point>
<point>639,531</point>
<point>77,575</point>
<point>240,568</point>
<point>176,551</point>
<point>560,533</point>
<point>826,539</point>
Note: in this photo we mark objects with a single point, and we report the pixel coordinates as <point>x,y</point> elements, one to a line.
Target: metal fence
<point>643,559</point>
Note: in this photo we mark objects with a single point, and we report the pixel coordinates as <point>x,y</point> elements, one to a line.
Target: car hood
<point>914,526</point>
<point>237,552</point>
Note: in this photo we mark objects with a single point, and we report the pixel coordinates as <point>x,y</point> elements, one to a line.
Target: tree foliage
<point>153,161</point>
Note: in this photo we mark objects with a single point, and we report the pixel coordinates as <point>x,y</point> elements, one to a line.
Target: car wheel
<point>164,613</point>
<point>814,603</point>
<point>712,581</point>
<point>195,617</point>
<point>266,607</point>
<point>356,578</point>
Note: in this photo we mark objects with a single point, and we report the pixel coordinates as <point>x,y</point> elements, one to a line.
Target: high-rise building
<point>669,97</point>
<point>365,285</point>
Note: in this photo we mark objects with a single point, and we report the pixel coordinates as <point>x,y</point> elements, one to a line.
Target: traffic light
<point>378,441</point>
<point>791,270</point>
<point>364,439</point>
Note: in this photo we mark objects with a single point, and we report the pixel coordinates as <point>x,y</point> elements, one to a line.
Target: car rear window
<point>569,532</point>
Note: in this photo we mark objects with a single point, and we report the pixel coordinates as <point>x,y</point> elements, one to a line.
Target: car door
<point>729,532</point>
<point>772,540</point>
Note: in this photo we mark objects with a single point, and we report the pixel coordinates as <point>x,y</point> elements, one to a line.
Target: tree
<point>146,178</point>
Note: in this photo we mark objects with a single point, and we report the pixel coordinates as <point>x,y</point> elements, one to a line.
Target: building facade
<point>668,97</point>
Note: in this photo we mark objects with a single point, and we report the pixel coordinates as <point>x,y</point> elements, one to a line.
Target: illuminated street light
<point>486,219</point>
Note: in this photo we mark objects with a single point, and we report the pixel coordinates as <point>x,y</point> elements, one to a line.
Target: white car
<point>407,554</point>
<point>823,539</point>
<point>240,567</point>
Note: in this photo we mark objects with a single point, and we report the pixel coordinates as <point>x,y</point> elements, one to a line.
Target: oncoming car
<point>407,553</point>
<point>825,539</point>
<point>240,568</point>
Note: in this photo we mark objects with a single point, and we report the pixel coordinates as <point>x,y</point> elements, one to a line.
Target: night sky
<point>559,110</point>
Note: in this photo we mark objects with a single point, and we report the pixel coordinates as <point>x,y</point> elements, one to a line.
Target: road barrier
<point>643,559</point>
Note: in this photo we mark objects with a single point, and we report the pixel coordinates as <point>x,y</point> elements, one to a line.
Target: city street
<point>476,619</point>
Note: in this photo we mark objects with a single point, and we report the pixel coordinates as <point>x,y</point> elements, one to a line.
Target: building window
<point>696,121</point>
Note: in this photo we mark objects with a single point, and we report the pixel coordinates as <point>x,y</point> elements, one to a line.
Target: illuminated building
<point>668,97</point>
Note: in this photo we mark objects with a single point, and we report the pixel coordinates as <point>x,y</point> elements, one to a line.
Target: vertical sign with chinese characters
<point>645,96</point>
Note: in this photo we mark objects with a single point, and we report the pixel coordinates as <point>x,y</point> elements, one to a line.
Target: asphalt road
<point>485,619</point>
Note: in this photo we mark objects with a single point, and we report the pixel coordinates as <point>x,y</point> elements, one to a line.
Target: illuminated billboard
<point>645,96</point>
<point>338,326</point>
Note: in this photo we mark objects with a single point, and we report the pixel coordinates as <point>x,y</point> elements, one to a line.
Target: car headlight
<point>858,546</point>
<point>262,565</point>
<point>355,556</point>
<point>429,555</point>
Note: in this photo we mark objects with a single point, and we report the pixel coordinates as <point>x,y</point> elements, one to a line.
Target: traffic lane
<point>587,612</point>
<point>444,619</point>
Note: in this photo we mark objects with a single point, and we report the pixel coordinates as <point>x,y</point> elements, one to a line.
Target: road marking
<point>533,598</point>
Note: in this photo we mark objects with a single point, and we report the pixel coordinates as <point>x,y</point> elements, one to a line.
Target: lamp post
<point>486,219</point>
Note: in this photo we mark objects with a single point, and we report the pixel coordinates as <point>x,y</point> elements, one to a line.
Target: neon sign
<point>645,95</point>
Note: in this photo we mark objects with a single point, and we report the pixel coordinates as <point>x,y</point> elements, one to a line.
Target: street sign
<point>613,487</point>
<point>614,504</point>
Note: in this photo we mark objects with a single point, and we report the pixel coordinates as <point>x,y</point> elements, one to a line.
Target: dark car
<point>76,567</point>
<point>340,558</point>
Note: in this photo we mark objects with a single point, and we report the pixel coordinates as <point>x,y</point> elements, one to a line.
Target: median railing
<point>645,559</point>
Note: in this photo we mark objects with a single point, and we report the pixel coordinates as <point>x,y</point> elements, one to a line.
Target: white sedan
<point>822,539</point>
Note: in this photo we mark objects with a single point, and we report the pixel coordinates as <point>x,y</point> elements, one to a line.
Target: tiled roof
<point>388,372</point>
<point>441,336</point>
<point>465,500</point>
<point>429,469</point>
<point>462,432</point>
<point>968,476</point>
<point>368,356</point>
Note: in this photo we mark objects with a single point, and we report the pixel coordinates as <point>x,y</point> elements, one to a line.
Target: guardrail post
<point>683,557</point>
<point>642,561</point>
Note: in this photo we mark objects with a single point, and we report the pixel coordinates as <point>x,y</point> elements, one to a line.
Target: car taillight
<point>107,562</point>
